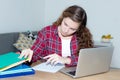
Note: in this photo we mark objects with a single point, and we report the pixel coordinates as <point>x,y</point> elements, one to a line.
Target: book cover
<point>9,60</point>
<point>20,70</point>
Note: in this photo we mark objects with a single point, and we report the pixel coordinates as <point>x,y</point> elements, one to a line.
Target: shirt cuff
<point>71,63</point>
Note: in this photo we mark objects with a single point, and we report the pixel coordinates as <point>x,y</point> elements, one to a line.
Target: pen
<point>42,58</point>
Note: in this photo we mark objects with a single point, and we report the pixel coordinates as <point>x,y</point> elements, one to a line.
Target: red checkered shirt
<point>48,42</point>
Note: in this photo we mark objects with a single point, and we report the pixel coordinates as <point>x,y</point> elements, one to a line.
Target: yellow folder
<point>9,60</point>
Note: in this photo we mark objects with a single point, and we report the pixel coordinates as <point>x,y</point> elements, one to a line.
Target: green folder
<point>8,59</point>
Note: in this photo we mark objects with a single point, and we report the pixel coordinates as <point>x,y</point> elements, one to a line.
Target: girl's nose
<point>66,29</point>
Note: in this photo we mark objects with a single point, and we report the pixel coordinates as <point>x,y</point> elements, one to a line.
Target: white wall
<point>21,15</point>
<point>103,18</point>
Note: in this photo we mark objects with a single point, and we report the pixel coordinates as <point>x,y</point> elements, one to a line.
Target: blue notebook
<point>20,70</point>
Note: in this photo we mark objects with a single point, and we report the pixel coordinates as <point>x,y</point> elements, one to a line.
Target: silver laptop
<point>91,61</point>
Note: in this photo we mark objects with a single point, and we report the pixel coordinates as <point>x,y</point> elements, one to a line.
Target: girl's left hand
<point>53,59</point>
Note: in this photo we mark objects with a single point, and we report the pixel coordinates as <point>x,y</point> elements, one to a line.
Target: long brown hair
<point>78,14</point>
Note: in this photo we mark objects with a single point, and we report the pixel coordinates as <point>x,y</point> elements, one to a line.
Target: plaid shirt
<point>48,42</point>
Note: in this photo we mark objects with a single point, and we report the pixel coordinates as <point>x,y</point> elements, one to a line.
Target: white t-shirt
<point>66,47</point>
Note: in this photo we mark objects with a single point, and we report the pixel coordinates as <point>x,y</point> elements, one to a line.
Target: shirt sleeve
<point>74,55</point>
<point>74,60</point>
<point>38,46</point>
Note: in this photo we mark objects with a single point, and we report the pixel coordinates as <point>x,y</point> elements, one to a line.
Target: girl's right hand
<point>27,53</point>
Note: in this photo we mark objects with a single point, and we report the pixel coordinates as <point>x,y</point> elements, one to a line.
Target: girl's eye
<point>73,29</point>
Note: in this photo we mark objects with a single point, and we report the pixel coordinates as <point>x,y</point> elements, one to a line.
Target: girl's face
<point>68,27</point>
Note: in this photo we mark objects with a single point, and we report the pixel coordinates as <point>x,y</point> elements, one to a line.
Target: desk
<point>113,74</point>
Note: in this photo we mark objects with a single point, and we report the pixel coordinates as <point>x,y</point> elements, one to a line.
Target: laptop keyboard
<point>72,73</point>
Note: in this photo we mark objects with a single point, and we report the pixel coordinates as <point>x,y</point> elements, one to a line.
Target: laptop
<point>91,61</point>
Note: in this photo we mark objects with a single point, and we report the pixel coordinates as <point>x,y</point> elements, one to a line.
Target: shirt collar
<point>56,30</point>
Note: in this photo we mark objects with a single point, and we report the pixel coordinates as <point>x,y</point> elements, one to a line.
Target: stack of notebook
<point>11,66</point>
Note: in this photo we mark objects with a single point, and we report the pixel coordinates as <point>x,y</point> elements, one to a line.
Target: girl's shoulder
<point>48,29</point>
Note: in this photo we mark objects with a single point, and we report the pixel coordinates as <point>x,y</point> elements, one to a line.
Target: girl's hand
<point>27,53</point>
<point>53,59</point>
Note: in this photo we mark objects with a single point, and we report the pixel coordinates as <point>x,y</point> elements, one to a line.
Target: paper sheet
<point>48,67</point>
